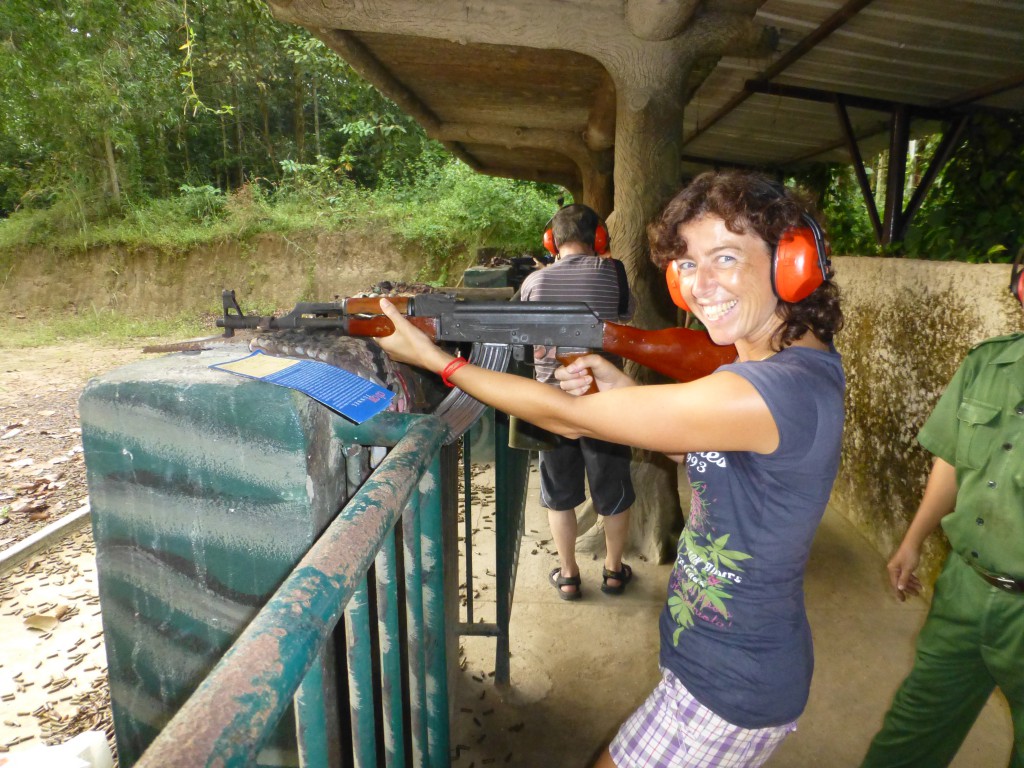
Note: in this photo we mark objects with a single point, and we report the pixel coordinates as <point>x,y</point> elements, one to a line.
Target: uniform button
<point>1020,410</point>
<point>991,483</point>
<point>974,554</point>
<point>979,521</point>
<point>1007,446</point>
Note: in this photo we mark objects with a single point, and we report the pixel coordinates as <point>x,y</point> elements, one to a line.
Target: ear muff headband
<point>799,265</point>
<point>602,241</point>
<point>800,262</point>
<point>1017,277</point>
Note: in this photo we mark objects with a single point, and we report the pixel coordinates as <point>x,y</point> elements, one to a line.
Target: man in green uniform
<point>973,638</point>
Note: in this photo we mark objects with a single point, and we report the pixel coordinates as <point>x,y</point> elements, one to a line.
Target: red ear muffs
<point>602,242</point>
<point>800,263</point>
<point>1017,277</point>
<point>674,289</point>
<point>549,241</point>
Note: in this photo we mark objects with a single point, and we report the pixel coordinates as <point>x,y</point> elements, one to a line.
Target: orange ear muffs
<point>800,262</point>
<point>549,241</point>
<point>1017,277</point>
<point>674,289</point>
<point>602,242</point>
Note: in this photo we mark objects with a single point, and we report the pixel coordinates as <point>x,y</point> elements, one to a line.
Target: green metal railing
<point>394,632</point>
<point>511,471</point>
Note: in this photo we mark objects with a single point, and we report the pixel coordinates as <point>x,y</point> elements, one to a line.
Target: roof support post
<point>950,139</point>
<point>858,166</point>
<point>895,183</point>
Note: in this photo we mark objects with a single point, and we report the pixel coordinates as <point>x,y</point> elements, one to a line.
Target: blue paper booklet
<point>352,396</point>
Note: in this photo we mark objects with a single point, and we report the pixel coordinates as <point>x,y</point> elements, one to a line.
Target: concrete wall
<point>908,325</point>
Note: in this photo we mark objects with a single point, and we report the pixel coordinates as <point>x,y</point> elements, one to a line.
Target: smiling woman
<point>750,223</point>
<point>761,438</point>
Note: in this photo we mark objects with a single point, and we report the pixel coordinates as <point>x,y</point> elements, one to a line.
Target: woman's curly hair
<point>749,203</point>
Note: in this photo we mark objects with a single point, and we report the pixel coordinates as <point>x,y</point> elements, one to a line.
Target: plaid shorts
<point>673,730</point>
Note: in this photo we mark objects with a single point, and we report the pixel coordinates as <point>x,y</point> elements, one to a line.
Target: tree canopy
<point>108,107</point>
<point>111,99</point>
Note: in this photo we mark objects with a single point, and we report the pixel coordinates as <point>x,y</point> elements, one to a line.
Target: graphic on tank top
<point>706,569</point>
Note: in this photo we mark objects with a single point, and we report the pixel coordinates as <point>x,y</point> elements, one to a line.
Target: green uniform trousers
<point>972,641</point>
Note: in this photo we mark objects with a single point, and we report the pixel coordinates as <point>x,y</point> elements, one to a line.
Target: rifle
<point>679,353</point>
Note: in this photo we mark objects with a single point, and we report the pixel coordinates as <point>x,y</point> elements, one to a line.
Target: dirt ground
<point>42,474</point>
<point>53,682</point>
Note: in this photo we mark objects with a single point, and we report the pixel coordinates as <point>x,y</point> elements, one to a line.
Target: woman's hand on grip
<point>408,344</point>
<point>577,377</point>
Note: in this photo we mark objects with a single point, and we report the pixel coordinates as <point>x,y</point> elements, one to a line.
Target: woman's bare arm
<point>722,412</point>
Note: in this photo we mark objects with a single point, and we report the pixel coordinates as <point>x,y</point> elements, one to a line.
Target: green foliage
<point>842,206</point>
<point>203,203</point>
<point>975,212</point>
<point>450,210</point>
<point>165,95</point>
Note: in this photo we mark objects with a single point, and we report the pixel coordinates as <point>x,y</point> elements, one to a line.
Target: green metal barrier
<point>214,496</point>
<point>511,476</point>
<point>232,714</point>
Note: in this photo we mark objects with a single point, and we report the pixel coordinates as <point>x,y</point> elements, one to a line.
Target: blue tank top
<point>734,630</point>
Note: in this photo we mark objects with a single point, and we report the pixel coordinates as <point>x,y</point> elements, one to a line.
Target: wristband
<point>451,368</point>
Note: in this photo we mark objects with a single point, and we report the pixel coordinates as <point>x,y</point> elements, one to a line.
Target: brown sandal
<point>623,576</point>
<point>558,581</point>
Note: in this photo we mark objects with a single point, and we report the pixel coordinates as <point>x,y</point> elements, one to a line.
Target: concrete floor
<point>580,668</point>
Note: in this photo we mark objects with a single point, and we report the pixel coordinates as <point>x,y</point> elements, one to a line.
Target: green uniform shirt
<point>978,428</point>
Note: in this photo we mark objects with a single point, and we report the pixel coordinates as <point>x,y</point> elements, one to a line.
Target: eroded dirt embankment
<point>268,271</point>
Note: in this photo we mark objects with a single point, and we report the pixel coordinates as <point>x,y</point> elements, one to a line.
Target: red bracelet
<point>451,368</point>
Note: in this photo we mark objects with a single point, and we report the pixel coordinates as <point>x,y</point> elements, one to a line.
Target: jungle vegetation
<point>170,123</point>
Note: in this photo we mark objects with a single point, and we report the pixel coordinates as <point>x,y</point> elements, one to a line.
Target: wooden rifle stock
<point>679,353</point>
<point>379,325</point>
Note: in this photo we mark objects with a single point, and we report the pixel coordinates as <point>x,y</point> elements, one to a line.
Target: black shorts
<point>606,466</point>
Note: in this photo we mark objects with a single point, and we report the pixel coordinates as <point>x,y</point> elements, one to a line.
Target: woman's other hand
<point>577,377</point>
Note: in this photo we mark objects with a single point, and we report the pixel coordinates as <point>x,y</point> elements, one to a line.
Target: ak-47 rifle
<point>679,353</point>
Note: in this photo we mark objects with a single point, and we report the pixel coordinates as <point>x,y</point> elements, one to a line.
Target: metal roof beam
<point>991,89</point>
<point>826,28</point>
<point>856,102</point>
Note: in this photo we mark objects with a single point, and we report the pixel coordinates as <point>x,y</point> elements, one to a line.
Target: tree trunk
<point>645,176</point>
<point>239,138</point>
<point>268,140</point>
<point>224,151</point>
<point>115,184</point>
<point>316,118</point>
<point>299,118</point>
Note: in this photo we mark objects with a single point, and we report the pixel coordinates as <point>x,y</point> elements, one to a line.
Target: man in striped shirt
<point>579,240</point>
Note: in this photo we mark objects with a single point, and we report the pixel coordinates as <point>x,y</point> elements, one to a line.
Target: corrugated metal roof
<point>936,57</point>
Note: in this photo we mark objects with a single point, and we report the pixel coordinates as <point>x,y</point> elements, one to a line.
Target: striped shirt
<point>579,277</point>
